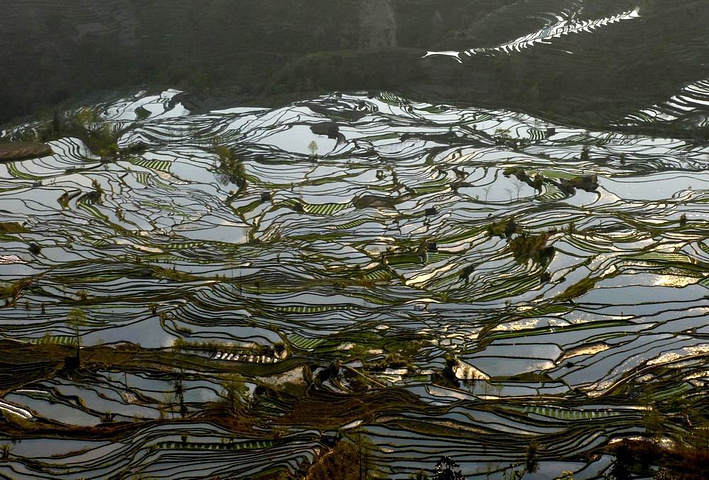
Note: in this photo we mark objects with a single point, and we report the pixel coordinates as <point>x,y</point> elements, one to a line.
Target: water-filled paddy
<point>570,287</point>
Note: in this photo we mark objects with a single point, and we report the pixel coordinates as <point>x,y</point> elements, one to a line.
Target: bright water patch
<point>565,24</point>
<point>691,103</point>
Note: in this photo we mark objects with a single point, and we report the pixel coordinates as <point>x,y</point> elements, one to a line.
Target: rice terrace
<point>453,255</point>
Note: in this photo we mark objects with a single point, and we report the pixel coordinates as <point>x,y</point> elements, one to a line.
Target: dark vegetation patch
<point>23,150</point>
<point>12,227</point>
<point>645,457</point>
<point>527,247</point>
<point>99,136</point>
<point>230,168</point>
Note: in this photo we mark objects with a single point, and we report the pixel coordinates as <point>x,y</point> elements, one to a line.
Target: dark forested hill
<point>270,51</point>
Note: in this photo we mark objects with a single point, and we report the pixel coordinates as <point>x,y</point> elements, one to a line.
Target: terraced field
<point>437,280</point>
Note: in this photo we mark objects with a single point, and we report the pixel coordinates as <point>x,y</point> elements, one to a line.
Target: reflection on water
<point>414,227</point>
<point>564,24</point>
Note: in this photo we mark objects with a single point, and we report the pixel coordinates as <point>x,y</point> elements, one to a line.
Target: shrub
<point>230,168</point>
<point>531,247</point>
<point>12,227</point>
<point>530,460</point>
<point>445,470</point>
<point>588,183</point>
<point>504,228</point>
<point>13,290</point>
<point>99,136</point>
<point>234,391</point>
<point>343,462</point>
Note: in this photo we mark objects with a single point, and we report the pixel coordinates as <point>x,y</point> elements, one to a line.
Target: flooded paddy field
<point>249,286</point>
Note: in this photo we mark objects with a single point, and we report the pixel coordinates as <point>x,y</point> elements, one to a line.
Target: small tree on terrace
<point>445,470</point>
<point>77,319</point>
<point>234,391</point>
